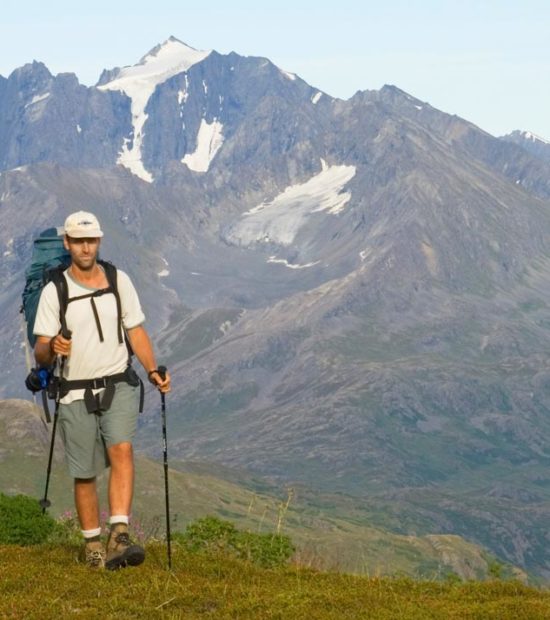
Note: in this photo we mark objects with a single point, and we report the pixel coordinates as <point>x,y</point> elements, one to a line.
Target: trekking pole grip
<point>66,333</point>
<point>162,372</point>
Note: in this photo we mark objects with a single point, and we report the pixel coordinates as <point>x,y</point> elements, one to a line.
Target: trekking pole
<point>162,373</point>
<point>45,502</point>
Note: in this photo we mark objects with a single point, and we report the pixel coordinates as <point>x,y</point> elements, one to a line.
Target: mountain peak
<point>175,50</point>
<point>530,142</point>
<point>528,135</point>
<point>159,64</point>
<point>35,68</point>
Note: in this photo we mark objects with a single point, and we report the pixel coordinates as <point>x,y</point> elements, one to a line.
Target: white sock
<point>91,533</point>
<point>118,519</point>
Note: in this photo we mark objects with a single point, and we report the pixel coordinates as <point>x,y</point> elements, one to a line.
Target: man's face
<point>83,251</point>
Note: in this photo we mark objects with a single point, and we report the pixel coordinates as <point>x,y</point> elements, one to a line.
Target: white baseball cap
<point>82,224</point>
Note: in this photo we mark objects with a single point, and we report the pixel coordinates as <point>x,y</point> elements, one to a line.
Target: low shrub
<point>22,521</point>
<point>214,534</point>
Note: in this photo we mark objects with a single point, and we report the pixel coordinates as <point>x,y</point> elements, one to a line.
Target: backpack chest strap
<point>99,293</point>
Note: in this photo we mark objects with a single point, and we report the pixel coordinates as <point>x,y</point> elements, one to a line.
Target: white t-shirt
<point>90,358</point>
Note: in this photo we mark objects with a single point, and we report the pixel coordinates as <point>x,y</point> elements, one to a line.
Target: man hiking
<point>98,389</point>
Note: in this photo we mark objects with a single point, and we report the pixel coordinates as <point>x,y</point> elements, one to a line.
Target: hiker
<point>99,390</point>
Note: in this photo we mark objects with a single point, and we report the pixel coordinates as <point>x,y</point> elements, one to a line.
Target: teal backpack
<point>49,260</point>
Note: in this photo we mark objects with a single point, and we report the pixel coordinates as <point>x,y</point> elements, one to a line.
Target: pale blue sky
<point>487,61</point>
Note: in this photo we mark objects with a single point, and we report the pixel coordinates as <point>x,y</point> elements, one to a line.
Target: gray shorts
<point>87,436</point>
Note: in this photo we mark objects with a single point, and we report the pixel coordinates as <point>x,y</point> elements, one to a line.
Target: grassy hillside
<point>330,532</point>
<point>49,582</point>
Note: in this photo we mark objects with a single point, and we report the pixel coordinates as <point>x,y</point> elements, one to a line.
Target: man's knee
<point>84,481</point>
<point>120,451</point>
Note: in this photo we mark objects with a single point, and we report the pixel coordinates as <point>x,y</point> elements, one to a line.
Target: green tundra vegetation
<point>219,571</point>
<point>49,581</point>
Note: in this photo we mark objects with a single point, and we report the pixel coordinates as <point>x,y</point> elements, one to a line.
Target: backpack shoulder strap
<point>56,276</point>
<point>111,274</point>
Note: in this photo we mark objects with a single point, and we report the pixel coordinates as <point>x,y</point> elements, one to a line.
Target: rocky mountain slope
<point>351,294</point>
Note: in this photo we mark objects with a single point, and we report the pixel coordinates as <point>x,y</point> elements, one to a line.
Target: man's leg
<point>118,426</point>
<point>87,508</point>
<point>120,549</point>
<point>86,502</point>
<point>121,479</point>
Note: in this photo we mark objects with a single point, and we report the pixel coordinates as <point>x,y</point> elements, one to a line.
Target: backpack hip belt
<point>95,404</point>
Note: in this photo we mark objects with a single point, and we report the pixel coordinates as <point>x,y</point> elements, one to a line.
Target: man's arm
<point>49,342</point>
<point>43,351</point>
<point>46,349</point>
<point>143,349</point>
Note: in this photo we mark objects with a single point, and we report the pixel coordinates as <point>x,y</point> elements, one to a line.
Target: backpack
<point>48,255</point>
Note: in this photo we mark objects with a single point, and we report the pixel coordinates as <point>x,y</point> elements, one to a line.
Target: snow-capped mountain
<point>139,82</point>
<point>351,294</point>
<point>186,99</point>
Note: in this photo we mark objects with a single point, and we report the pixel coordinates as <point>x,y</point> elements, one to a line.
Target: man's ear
<point>66,243</point>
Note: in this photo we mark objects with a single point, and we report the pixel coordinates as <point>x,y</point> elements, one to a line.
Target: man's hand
<point>163,385</point>
<point>46,349</point>
<point>60,346</point>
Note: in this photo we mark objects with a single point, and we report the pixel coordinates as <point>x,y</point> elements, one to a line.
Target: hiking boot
<point>121,551</point>
<point>94,554</point>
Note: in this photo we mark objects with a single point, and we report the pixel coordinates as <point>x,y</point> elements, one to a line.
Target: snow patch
<point>209,142</point>
<point>280,219</point>
<point>283,261</point>
<point>316,97</point>
<point>290,76</point>
<point>418,107</point>
<point>182,96</point>
<point>36,99</point>
<point>139,82</point>
<point>79,128</point>
<point>533,137</point>
<point>9,245</point>
<point>225,327</point>
<point>164,272</point>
